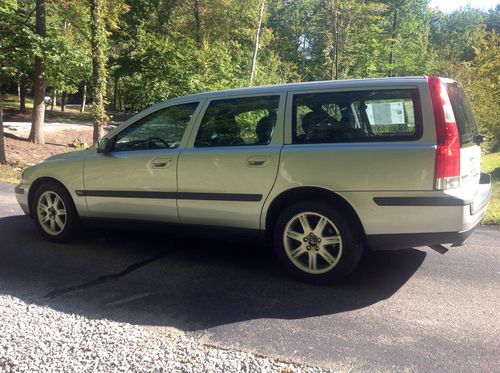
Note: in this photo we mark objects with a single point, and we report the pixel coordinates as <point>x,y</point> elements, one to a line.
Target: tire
<point>323,252</point>
<point>54,213</point>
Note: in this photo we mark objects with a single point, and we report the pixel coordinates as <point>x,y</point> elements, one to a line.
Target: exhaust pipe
<point>439,248</point>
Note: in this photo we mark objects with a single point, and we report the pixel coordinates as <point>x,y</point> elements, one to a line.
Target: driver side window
<point>161,130</point>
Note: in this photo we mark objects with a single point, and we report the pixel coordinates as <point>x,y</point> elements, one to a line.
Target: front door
<point>136,178</point>
<point>230,164</point>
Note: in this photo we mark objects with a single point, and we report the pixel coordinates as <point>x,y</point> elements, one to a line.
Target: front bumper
<point>22,193</point>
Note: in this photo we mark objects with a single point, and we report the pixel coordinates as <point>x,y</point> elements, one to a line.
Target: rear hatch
<point>458,155</point>
<point>470,151</point>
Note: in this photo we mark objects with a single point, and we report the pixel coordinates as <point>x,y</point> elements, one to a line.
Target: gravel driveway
<point>37,338</point>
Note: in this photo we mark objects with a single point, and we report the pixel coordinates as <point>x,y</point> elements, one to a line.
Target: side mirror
<point>103,145</point>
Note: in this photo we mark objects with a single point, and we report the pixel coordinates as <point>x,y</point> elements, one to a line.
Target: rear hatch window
<point>464,117</point>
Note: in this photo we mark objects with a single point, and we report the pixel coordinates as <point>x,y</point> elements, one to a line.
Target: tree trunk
<point>63,101</point>
<point>98,43</point>
<point>84,99</point>
<point>393,41</point>
<point>22,96</point>
<point>53,101</point>
<point>3,159</point>
<point>337,43</point>
<point>197,22</point>
<point>257,37</point>
<point>115,93</point>
<point>36,133</point>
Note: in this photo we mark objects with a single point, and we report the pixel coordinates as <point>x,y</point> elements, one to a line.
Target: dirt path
<point>59,138</point>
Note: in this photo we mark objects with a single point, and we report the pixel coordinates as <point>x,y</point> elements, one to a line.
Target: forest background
<point>129,54</point>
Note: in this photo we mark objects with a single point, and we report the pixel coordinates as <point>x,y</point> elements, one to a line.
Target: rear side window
<point>238,122</point>
<point>462,110</point>
<point>359,116</point>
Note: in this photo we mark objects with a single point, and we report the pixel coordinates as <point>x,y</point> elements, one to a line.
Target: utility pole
<point>257,37</point>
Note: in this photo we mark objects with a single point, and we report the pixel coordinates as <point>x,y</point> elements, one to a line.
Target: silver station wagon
<point>323,170</point>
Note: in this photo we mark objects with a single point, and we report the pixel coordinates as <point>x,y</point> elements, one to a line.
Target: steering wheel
<point>153,143</point>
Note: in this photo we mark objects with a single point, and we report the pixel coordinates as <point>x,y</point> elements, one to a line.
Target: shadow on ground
<point>185,282</point>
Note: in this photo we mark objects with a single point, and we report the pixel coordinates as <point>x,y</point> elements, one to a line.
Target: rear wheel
<point>54,213</point>
<point>316,243</point>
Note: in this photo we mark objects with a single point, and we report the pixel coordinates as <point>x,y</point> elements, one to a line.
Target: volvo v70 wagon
<point>324,170</point>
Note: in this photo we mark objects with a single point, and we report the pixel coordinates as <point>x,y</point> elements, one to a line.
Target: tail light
<point>447,168</point>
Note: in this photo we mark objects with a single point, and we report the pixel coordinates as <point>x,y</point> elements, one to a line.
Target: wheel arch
<point>318,194</point>
<point>36,184</point>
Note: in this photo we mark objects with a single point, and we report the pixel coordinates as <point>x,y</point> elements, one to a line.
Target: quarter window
<point>238,122</point>
<point>161,130</point>
<point>358,116</point>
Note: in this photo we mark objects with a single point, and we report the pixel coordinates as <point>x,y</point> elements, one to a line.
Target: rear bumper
<point>400,241</point>
<point>482,197</point>
<point>467,212</point>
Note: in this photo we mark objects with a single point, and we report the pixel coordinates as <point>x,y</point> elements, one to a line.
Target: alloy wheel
<point>312,242</point>
<point>51,213</point>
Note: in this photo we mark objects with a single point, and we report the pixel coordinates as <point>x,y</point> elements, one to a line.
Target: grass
<point>72,114</point>
<point>10,101</point>
<point>10,173</point>
<point>491,165</point>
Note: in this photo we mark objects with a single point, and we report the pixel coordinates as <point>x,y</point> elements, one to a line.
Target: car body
<point>394,161</point>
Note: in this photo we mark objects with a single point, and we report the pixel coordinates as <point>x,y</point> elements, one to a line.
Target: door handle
<point>162,162</point>
<point>255,163</point>
<point>258,161</point>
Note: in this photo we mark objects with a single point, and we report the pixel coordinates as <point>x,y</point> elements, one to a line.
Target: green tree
<point>18,45</point>
<point>480,78</point>
<point>68,48</point>
<point>455,35</point>
<point>7,9</point>
<point>291,25</point>
<point>493,19</point>
<point>348,39</point>
<point>407,36</point>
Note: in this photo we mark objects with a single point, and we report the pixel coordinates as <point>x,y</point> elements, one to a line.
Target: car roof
<point>326,84</point>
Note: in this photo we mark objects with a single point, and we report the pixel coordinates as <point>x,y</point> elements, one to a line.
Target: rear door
<point>470,151</point>
<point>358,140</point>
<point>231,162</point>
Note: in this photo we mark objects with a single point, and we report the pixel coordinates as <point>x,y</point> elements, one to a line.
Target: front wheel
<point>54,213</point>
<point>316,243</point>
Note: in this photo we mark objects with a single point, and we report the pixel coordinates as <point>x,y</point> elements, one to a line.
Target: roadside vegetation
<point>491,165</point>
<point>10,172</point>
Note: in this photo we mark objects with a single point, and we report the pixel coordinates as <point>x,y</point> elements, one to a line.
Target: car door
<point>136,178</point>
<point>231,161</point>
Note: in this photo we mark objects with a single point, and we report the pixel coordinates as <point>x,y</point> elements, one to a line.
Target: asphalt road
<point>413,309</point>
